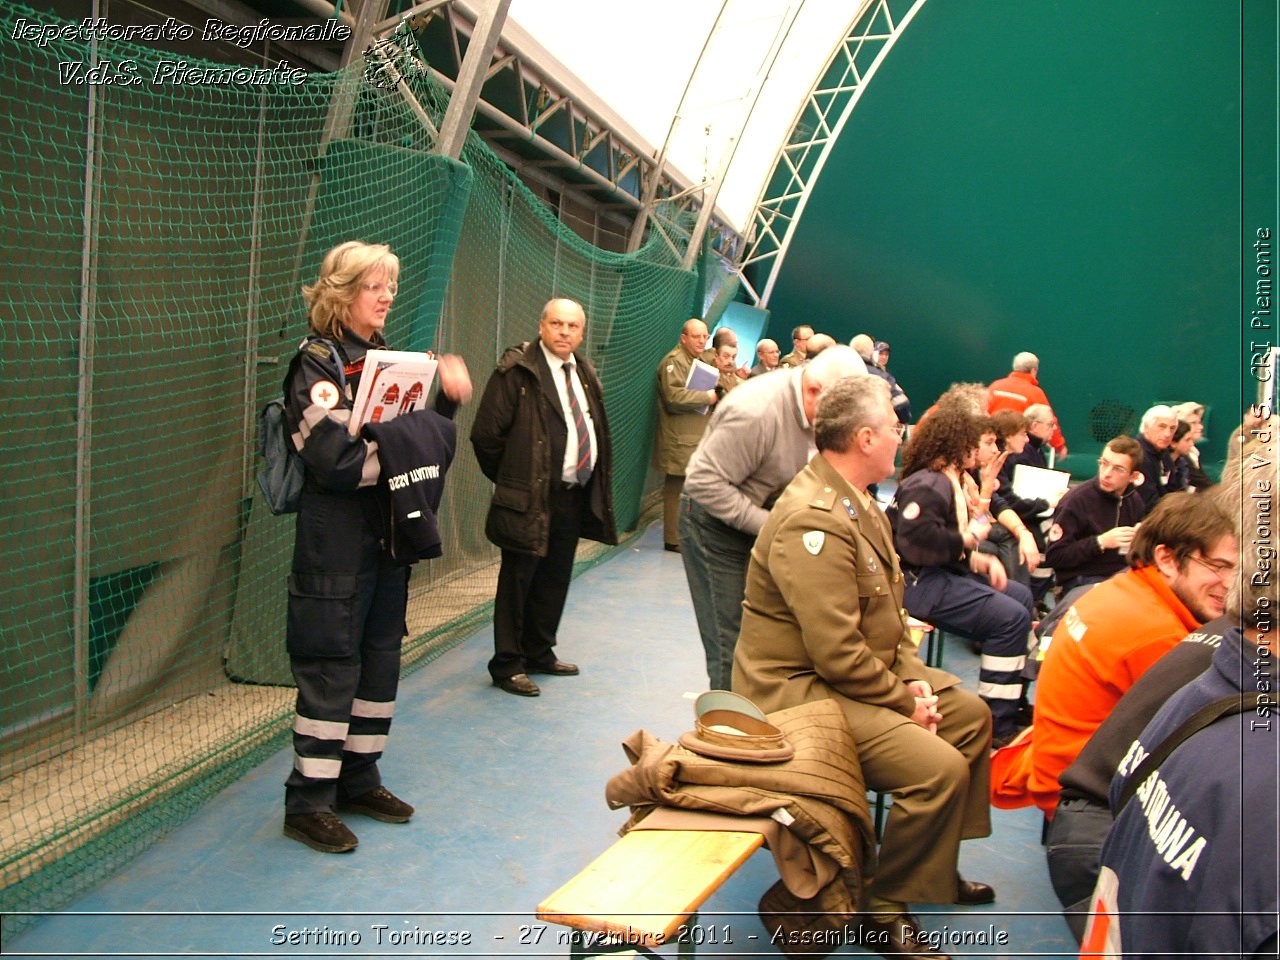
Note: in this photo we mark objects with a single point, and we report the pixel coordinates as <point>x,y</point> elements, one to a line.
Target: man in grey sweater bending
<point>758,439</point>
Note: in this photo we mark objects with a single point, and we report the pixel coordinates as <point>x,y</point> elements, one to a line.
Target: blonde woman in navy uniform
<point>347,595</point>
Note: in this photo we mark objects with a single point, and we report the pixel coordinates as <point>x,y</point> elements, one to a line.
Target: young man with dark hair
<point>1095,523</point>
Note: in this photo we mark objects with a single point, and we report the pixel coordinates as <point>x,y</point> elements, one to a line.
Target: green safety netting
<point>156,237</point>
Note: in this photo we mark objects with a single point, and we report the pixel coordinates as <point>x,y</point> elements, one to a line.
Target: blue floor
<point>510,797</point>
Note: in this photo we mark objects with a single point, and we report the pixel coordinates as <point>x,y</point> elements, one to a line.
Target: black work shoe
<point>897,936</point>
<point>320,831</point>
<point>520,685</point>
<point>379,803</point>
<point>557,668</point>
<point>970,893</point>
<point>671,547</point>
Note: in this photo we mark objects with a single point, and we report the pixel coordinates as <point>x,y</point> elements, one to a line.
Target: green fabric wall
<point>1060,177</point>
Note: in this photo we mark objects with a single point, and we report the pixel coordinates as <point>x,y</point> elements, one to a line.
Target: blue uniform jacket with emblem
<point>1189,868</point>
<point>823,614</point>
<point>926,528</point>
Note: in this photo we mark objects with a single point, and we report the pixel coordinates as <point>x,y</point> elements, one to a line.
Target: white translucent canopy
<point>732,74</point>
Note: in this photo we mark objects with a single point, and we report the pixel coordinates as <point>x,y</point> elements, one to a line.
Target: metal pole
<point>713,188</point>
<point>651,188</point>
<point>84,400</point>
<point>251,307</point>
<point>341,105</point>
<point>471,77</point>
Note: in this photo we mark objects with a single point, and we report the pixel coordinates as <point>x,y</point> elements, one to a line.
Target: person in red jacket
<point>1019,390</point>
<point>1181,564</point>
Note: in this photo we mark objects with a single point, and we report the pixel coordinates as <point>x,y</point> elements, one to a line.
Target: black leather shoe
<point>520,685</point>
<point>557,668</point>
<point>897,936</point>
<point>970,893</point>
<point>671,547</point>
<point>379,803</point>
<point>320,831</point>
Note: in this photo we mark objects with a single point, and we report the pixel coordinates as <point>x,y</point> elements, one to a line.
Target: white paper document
<point>1037,483</point>
<point>392,382</point>
<point>702,376</point>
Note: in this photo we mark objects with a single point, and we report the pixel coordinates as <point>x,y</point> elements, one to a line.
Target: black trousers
<point>1073,849</point>
<point>532,590</point>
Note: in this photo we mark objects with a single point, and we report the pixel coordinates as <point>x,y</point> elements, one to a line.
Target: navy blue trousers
<point>346,623</point>
<point>967,604</point>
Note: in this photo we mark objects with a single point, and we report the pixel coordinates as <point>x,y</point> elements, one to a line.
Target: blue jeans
<point>715,559</point>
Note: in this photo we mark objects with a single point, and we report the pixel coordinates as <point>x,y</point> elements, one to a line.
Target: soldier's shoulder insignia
<point>813,541</point>
<point>850,508</point>
<point>824,499</point>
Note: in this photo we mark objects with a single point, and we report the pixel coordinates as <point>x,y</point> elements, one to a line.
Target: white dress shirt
<point>569,469</point>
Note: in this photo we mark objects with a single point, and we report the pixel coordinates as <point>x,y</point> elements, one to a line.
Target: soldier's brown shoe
<point>971,892</point>
<point>379,803</point>
<point>320,831</point>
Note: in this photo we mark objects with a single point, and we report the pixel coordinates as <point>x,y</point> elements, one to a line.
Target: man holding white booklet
<point>686,393</point>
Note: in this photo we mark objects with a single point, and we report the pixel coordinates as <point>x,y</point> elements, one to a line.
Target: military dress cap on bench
<point>728,726</point>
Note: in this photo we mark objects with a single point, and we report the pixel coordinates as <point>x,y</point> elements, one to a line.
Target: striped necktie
<point>583,469</point>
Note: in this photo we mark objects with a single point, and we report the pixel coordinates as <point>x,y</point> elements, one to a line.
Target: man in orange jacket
<point>1019,390</point>
<point>1181,564</point>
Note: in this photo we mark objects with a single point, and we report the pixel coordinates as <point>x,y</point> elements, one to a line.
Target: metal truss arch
<point>818,123</point>
<point>529,108</point>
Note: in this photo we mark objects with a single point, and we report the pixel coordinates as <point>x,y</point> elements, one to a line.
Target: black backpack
<point>283,471</point>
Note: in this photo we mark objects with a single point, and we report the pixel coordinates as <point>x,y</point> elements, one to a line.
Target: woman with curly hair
<point>949,581</point>
<point>945,439</point>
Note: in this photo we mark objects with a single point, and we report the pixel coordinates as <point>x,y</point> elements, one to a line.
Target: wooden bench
<point>644,892</point>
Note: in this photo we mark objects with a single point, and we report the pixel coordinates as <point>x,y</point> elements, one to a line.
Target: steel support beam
<point>467,89</point>
<point>817,126</point>
<point>589,148</point>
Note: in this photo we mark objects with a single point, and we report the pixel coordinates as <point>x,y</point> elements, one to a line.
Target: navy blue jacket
<point>1198,841</point>
<point>1088,510</point>
<point>925,530</point>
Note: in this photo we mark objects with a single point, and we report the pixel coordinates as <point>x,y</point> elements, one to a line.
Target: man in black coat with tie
<point>541,436</point>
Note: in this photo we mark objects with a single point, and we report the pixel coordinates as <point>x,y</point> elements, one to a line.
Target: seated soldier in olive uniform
<point>918,735</point>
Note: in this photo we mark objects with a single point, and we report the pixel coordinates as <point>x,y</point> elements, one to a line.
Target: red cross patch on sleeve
<point>324,393</point>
